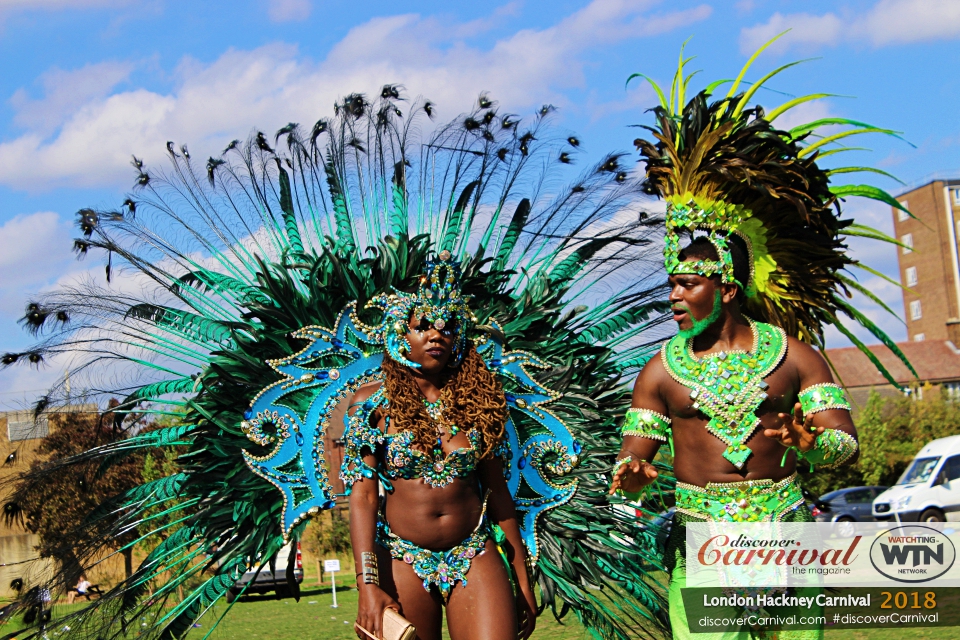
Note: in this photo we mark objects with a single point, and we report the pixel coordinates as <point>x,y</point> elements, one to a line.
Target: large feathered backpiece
<point>725,170</point>
<point>237,291</point>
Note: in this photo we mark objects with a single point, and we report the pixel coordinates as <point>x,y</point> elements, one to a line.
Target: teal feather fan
<point>217,268</point>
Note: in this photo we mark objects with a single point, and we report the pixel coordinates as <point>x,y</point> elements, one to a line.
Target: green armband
<point>645,423</point>
<point>832,449</point>
<point>821,397</point>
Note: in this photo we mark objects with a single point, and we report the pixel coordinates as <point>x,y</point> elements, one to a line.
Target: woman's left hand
<point>526,613</point>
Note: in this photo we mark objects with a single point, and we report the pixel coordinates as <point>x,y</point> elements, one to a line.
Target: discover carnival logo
<point>912,553</point>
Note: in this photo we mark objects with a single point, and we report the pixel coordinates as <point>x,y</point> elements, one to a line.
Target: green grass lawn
<point>314,617</point>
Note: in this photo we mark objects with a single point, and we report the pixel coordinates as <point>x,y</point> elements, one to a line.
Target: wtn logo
<point>899,554</point>
<point>913,553</point>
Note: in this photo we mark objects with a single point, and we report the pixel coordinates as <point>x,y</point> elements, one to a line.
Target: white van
<point>929,490</point>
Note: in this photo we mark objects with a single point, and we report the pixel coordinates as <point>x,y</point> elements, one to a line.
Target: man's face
<point>692,297</point>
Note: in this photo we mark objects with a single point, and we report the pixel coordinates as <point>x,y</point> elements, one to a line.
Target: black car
<point>853,504</point>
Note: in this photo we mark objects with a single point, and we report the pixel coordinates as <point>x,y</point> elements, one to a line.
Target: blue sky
<point>87,83</point>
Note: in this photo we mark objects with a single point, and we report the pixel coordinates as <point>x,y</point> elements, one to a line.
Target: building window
<point>951,390</point>
<point>907,241</point>
<point>956,196</point>
<point>911,276</point>
<point>915,311</point>
<point>919,337</point>
<point>903,216</point>
<point>27,429</point>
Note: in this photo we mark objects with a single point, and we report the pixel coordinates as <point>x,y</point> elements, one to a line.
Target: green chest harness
<point>728,387</point>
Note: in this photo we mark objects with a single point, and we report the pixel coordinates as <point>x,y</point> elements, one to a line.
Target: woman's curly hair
<point>478,402</point>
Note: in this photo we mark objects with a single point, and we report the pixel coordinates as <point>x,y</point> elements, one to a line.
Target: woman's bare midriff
<point>435,518</point>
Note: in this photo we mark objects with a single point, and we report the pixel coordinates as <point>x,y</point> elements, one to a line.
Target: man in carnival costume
<point>285,277</point>
<point>741,394</point>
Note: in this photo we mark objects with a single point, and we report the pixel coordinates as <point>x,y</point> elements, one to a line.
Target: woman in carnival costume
<point>741,394</point>
<point>468,307</point>
<point>433,433</point>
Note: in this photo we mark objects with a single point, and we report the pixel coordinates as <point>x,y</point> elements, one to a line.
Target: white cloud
<point>901,21</point>
<point>887,22</point>
<point>63,91</point>
<point>36,250</point>
<point>289,10</point>
<point>272,85</point>
<point>805,29</point>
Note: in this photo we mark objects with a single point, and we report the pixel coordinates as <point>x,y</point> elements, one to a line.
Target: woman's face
<point>430,347</point>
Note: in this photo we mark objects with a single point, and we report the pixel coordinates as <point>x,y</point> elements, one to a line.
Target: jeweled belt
<point>747,501</point>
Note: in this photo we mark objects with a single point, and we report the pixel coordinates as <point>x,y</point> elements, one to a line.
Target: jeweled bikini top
<point>401,460</point>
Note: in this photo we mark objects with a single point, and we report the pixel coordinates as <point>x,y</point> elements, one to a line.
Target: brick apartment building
<point>930,269</point>
<point>929,264</point>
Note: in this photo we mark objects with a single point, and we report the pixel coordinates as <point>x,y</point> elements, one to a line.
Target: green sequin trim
<point>833,449</point>
<point>748,501</point>
<point>645,423</point>
<point>821,397</point>
<point>728,386</point>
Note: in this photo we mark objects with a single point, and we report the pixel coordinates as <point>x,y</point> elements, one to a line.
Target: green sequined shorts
<point>675,561</point>
<point>442,569</point>
<point>746,501</point>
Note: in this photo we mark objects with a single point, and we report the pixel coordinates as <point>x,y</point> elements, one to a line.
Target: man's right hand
<point>633,477</point>
<point>373,600</point>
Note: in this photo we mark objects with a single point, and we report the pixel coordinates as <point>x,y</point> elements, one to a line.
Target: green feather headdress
<point>725,169</point>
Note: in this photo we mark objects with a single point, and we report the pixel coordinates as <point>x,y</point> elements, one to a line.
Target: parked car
<point>846,506</point>
<point>272,577</point>
<point>929,490</point>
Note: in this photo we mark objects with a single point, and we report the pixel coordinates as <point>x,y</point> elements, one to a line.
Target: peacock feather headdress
<point>268,282</point>
<point>725,170</point>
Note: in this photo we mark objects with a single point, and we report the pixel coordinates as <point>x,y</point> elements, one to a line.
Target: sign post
<point>332,566</point>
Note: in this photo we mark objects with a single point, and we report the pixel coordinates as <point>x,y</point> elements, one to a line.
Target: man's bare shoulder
<point>648,390</point>
<point>806,360</point>
<point>653,372</point>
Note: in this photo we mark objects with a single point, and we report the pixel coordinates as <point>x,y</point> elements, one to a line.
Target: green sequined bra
<point>728,386</point>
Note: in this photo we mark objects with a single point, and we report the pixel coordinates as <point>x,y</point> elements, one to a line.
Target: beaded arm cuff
<point>359,438</point>
<point>833,449</point>
<point>645,423</point>
<point>821,397</point>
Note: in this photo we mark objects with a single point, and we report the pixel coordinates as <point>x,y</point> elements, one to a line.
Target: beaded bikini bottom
<point>748,501</point>
<point>442,569</point>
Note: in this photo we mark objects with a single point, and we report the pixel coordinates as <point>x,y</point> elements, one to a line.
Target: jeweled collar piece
<point>728,386</point>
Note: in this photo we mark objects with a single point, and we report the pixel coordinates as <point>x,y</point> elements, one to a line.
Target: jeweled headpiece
<point>438,301</point>
<point>720,221</point>
<point>724,169</point>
